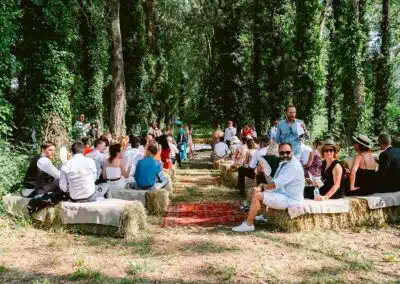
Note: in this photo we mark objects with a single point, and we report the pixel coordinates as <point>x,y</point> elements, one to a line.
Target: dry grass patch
<point>224,274</point>
<point>202,247</point>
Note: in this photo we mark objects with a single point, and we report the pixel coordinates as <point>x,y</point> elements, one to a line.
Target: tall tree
<point>308,76</point>
<point>118,99</point>
<point>383,72</point>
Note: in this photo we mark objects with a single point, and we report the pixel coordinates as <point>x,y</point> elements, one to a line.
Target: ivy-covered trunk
<point>383,72</point>
<point>118,100</point>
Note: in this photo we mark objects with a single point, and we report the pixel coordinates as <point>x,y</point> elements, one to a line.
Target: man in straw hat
<point>389,165</point>
<point>286,190</point>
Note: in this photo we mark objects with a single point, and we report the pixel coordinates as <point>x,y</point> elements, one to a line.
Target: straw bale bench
<point>156,201</point>
<point>334,217</point>
<point>107,217</point>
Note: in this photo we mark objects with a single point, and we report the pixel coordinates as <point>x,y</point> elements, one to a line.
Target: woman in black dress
<point>332,173</point>
<point>363,171</point>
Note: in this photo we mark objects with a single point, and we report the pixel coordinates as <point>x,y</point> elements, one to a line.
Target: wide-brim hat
<point>328,142</point>
<point>235,140</point>
<point>363,140</point>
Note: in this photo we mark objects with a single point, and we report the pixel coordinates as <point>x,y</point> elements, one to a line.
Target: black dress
<point>365,180</point>
<point>327,178</point>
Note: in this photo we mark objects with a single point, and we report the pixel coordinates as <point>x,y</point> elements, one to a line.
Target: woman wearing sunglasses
<point>332,172</point>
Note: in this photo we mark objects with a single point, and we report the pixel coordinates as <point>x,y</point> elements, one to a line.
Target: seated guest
<point>78,176</point>
<point>389,165</point>
<point>143,146</point>
<point>165,152</point>
<point>132,155</point>
<point>246,131</point>
<point>363,170</point>
<point>284,192</point>
<point>332,174</point>
<point>253,131</point>
<point>99,159</point>
<point>114,170</point>
<point>148,175</point>
<point>305,152</point>
<point>235,145</point>
<point>240,153</point>
<point>42,176</point>
<point>314,163</point>
<point>250,171</point>
<point>88,148</point>
<point>221,150</point>
<point>251,149</point>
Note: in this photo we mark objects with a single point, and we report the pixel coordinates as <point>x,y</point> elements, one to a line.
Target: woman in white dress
<point>252,148</point>
<point>114,170</point>
<point>241,152</point>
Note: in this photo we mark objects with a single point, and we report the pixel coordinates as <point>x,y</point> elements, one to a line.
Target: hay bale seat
<point>358,216</point>
<point>110,217</point>
<point>155,201</point>
<point>229,176</point>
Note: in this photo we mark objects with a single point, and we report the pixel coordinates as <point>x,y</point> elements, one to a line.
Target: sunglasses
<point>282,153</point>
<point>329,150</point>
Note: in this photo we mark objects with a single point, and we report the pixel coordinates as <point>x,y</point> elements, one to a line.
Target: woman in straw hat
<point>363,171</point>
<point>332,173</point>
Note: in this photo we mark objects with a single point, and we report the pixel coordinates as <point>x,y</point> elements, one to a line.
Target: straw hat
<point>235,140</point>
<point>328,142</point>
<point>363,140</point>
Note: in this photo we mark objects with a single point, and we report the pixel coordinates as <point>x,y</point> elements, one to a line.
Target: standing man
<point>291,130</point>
<point>230,131</point>
<point>389,165</point>
<point>80,128</point>
<point>272,132</point>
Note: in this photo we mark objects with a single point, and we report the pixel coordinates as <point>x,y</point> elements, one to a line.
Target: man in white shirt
<point>230,131</point>
<point>221,150</point>
<point>78,176</point>
<point>286,190</point>
<point>99,158</point>
<point>273,131</point>
<point>42,176</point>
<point>250,171</point>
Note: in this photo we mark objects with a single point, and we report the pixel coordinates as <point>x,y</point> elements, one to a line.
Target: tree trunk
<point>256,66</point>
<point>383,72</point>
<point>118,100</point>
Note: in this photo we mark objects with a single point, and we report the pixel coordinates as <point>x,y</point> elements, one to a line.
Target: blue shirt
<point>148,172</point>
<point>289,179</point>
<point>289,134</point>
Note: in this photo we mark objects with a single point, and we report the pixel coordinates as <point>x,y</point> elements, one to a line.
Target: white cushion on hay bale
<point>382,200</point>
<point>330,206</point>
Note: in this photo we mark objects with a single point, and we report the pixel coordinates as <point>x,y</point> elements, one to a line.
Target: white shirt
<point>256,157</point>
<point>99,159</point>
<point>142,151</point>
<point>229,133</point>
<point>305,154</point>
<point>173,148</point>
<point>78,176</point>
<point>46,165</point>
<point>221,149</point>
<point>134,157</point>
<point>289,179</point>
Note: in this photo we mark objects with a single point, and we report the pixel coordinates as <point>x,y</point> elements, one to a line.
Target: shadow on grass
<point>80,275</point>
<point>208,247</point>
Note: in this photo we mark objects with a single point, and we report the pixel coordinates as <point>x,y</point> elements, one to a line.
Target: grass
<point>142,248</point>
<point>85,273</point>
<point>390,258</point>
<point>225,274</point>
<point>3,269</point>
<point>137,268</point>
<point>209,247</point>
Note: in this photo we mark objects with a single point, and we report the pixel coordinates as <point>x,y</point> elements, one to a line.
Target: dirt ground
<point>199,255</point>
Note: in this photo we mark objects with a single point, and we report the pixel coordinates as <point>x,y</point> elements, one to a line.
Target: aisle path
<point>199,199</point>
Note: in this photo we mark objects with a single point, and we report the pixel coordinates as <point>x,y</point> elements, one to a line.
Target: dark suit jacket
<point>389,170</point>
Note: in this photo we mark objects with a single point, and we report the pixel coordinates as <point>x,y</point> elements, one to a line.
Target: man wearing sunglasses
<point>286,190</point>
<point>291,130</point>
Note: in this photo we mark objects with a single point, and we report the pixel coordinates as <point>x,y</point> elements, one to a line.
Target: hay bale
<point>358,216</point>
<point>157,201</point>
<point>217,162</point>
<point>133,221</point>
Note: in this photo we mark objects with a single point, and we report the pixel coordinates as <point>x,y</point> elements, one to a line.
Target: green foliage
<point>14,161</point>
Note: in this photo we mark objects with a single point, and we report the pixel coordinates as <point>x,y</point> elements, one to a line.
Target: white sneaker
<point>244,227</point>
<point>261,218</point>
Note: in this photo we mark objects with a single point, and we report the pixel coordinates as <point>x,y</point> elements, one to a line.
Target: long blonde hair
<point>124,142</point>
